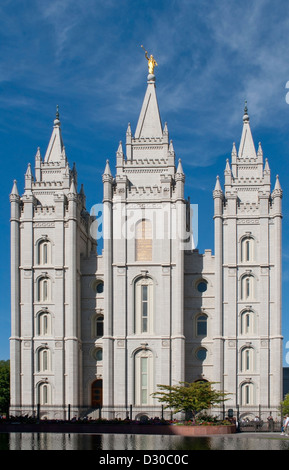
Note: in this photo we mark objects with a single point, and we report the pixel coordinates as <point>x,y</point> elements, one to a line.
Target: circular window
<point>97,354</point>
<point>98,286</point>
<point>202,286</point>
<point>201,354</point>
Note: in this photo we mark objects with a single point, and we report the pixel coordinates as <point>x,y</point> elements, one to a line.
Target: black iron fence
<point>246,419</point>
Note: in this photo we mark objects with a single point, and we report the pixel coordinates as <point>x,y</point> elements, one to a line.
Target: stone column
<point>15,353</point>
<point>71,315</point>
<point>108,340</point>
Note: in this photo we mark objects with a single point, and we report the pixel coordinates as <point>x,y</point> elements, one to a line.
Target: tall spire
<point>149,122</point>
<point>54,151</point>
<point>14,191</point>
<point>247,147</point>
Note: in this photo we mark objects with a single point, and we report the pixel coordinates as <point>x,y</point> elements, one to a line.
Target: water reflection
<point>54,441</point>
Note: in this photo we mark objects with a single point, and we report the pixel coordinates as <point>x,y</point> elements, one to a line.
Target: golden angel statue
<point>151,62</point>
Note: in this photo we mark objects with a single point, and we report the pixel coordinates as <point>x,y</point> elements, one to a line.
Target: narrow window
<point>99,326</point>
<point>44,394</point>
<point>43,290</point>
<point>202,325</point>
<point>143,240</point>
<point>144,306</point>
<point>247,288</point>
<point>43,360</point>
<point>44,324</point>
<point>247,323</point>
<point>44,252</point>
<point>247,250</point>
<point>247,360</point>
<point>144,378</point>
<point>247,394</point>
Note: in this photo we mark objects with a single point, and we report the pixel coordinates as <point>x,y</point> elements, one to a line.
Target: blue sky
<point>86,57</point>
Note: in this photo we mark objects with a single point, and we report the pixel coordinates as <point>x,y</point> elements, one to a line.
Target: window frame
<point>201,319</point>
<point>143,307</point>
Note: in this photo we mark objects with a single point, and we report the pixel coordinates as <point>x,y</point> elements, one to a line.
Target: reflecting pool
<point>57,441</point>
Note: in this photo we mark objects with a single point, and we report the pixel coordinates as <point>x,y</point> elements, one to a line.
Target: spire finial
<point>56,120</point>
<point>246,116</point>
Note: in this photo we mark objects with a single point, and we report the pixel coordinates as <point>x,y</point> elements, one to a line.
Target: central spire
<point>54,152</point>
<point>149,122</point>
<point>247,147</point>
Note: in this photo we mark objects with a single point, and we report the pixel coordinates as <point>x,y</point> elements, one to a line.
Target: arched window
<point>44,289</point>
<point>44,394</point>
<point>247,323</point>
<point>143,240</point>
<point>247,249</point>
<point>143,378</point>
<point>247,394</point>
<point>144,306</point>
<point>201,323</point>
<point>44,252</point>
<point>247,287</point>
<point>99,326</point>
<point>43,360</point>
<point>44,324</point>
<point>247,360</point>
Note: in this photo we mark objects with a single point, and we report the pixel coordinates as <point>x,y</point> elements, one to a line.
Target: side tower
<point>49,230</point>
<point>144,213</point>
<point>247,323</point>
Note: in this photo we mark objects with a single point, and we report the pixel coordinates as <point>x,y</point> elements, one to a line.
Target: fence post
<point>38,411</point>
<point>68,413</point>
<point>162,412</point>
<point>130,412</point>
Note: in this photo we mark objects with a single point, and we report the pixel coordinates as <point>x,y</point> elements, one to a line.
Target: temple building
<point>97,328</point>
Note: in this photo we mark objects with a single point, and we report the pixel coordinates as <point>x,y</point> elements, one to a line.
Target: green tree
<point>190,397</point>
<point>4,386</point>
<point>285,405</point>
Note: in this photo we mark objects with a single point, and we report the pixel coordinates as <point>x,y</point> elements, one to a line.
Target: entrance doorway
<point>96,393</point>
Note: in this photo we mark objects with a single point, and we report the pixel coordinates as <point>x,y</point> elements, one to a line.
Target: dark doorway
<point>96,394</point>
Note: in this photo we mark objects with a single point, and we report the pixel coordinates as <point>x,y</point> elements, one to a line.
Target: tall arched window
<point>44,394</point>
<point>99,326</point>
<point>44,289</point>
<point>143,378</point>
<point>247,287</point>
<point>247,249</point>
<point>143,240</point>
<point>43,360</point>
<point>44,324</point>
<point>201,325</point>
<point>44,252</point>
<point>247,322</point>
<point>144,306</point>
<point>247,394</point>
<point>247,360</point>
